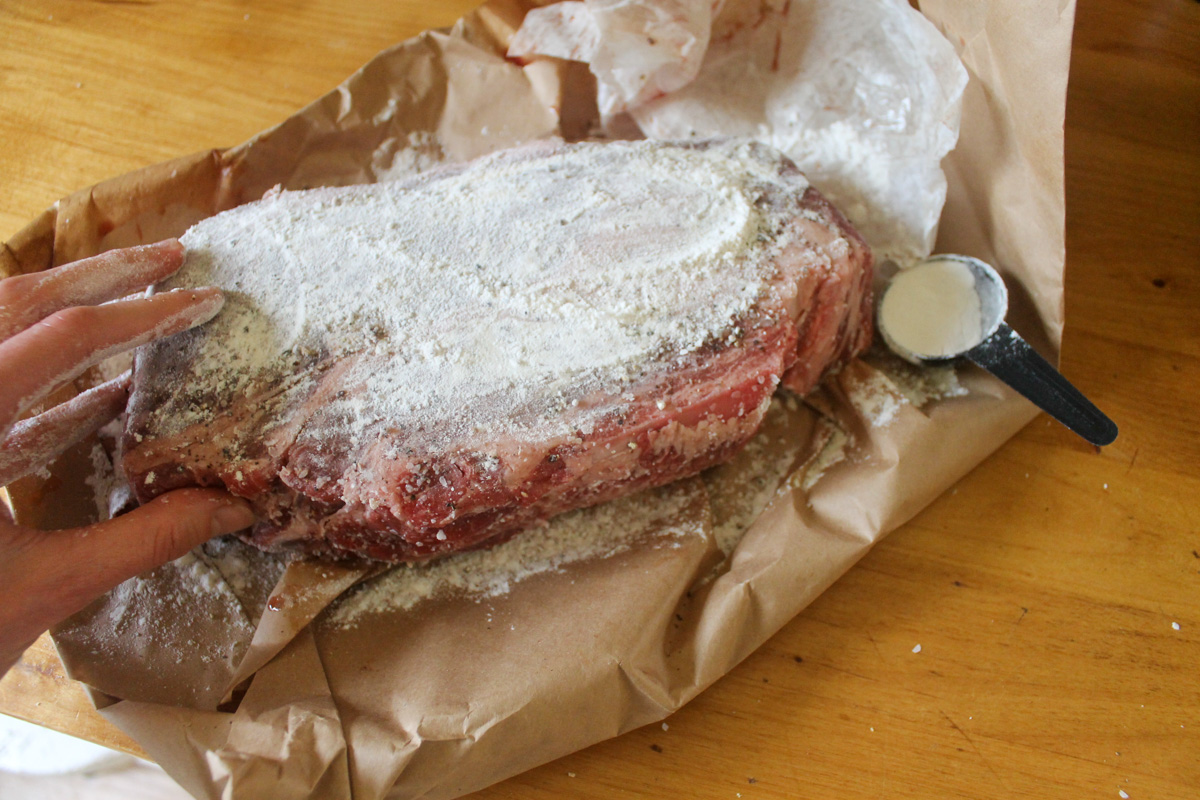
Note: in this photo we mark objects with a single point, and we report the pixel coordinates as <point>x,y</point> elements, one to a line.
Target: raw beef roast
<point>410,369</point>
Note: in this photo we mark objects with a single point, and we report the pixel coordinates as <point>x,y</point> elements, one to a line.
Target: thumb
<point>50,576</point>
<point>160,531</point>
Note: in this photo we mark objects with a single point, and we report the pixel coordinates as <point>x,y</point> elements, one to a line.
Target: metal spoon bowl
<point>1003,353</point>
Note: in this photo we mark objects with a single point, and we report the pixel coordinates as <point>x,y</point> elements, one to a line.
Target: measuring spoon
<point>952,306</point>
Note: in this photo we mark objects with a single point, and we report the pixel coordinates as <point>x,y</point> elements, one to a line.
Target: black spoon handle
<point>1010,358</point>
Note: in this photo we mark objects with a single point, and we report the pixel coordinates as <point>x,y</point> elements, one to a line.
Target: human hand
<point>52,328</point>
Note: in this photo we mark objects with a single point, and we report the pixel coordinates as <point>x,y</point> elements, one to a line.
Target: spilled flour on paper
<point>831,454</point>
<point>602,531</point>
<point>887,383</point>
<point>743,487</point>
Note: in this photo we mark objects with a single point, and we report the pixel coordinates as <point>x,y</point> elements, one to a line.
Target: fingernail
<point>231,517</point>
<point>208,303</point>
<point>169,253</point>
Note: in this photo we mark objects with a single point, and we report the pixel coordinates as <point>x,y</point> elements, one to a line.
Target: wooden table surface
<point>1042,589</point>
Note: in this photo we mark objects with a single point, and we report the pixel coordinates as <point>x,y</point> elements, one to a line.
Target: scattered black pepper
<point>656,748</point>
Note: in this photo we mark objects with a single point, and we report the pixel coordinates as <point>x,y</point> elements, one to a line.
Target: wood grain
<point>1042,589</point>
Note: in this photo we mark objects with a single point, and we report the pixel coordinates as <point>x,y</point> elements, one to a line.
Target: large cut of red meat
<point>410,369</point>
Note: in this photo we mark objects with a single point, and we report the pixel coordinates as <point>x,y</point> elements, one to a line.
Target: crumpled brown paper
<point>225,678</point>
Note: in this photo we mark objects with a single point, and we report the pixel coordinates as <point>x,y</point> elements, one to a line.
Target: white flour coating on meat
<point>564,315</point>
<point>410,369</point>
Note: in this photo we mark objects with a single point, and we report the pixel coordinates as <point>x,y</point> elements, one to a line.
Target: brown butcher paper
<point>246,676</point>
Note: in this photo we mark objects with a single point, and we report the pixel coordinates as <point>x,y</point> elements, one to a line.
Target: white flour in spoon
<point>933,310</point>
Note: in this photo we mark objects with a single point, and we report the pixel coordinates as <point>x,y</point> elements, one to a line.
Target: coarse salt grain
<point>1175,626</point>
<point>917,649</point>
<point>1122,794</point>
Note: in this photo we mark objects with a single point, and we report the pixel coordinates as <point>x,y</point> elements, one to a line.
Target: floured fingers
<point>34,442</point>
<point>50,352</point>
<point>27,299</point>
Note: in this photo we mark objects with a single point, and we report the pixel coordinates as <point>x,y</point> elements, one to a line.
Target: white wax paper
<point>864,95</point>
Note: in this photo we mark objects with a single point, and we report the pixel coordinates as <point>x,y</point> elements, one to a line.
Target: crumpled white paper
<point>864,95</point>
<point>637,49</point>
